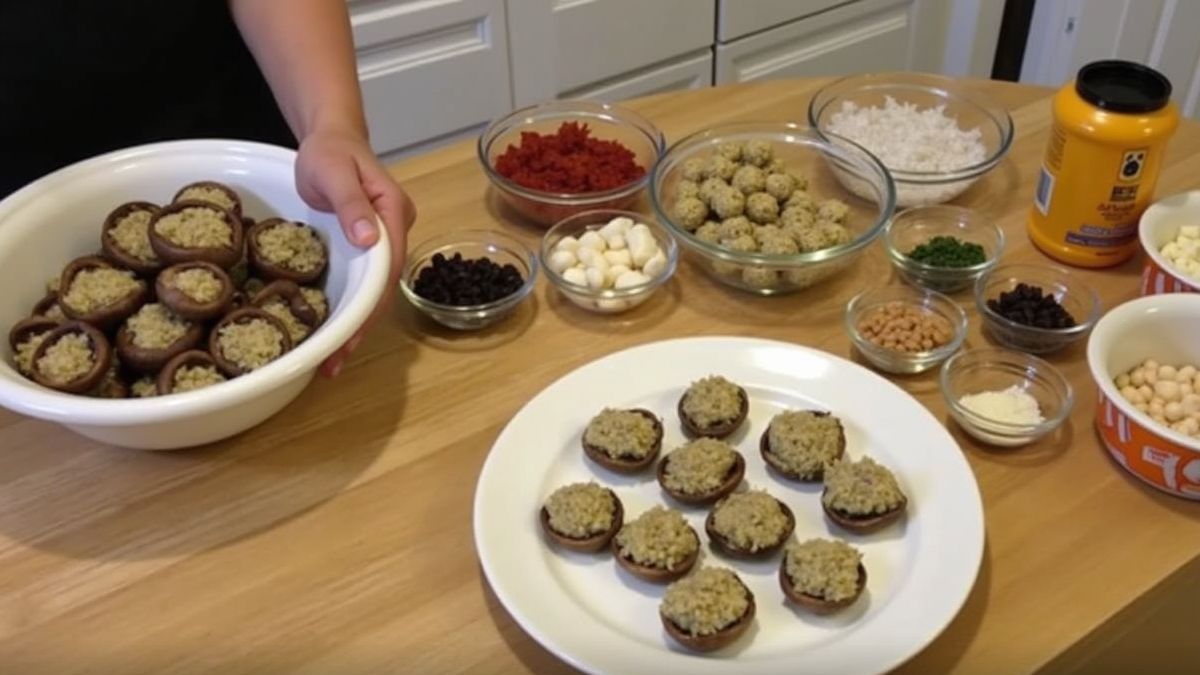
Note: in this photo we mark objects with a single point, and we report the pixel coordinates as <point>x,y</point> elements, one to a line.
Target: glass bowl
<point>912,227</point>
<point>891,360</point>
<point>960,101</point>
<point>804,152</point>
<point>1076,297</point>
<point>607,122</point>
<point>608,300</point>
<point>501,248</point>
<point>979,370</point>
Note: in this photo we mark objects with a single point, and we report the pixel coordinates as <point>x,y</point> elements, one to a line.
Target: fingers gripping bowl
<point>58,218</point>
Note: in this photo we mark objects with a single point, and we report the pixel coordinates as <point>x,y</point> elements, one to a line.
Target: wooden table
<point>336,538</point>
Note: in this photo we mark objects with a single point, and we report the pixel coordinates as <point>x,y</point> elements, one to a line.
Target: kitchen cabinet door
<point>867,35</point>
<point>430,68</point>
<point>690,72</point>
<point>739,18</point>
<point>562,46</point>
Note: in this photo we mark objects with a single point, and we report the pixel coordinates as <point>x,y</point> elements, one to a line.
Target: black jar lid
<point>1123,86</point>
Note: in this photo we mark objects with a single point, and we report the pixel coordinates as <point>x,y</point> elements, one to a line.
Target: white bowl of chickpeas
<point>758,205</point>
<point>225,362</point>
<point>1145,359</point>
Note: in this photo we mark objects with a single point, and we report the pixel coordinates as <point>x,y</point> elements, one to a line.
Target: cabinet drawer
<point>560,46</point>
<point>690,72</point>
<point>738,18</point>
<point>429,69</point>
<point>858,37</point>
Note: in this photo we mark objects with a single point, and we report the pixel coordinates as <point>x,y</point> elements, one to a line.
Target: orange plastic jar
<point>1111,127</point>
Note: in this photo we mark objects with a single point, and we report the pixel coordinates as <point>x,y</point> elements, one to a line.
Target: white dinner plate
<point>601,620</point>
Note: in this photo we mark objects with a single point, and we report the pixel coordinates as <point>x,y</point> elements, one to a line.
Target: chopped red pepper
<point>569,161</point>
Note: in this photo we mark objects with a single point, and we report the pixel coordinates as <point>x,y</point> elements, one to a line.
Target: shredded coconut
<point>581,510</point>
<point>1010,406</point>
<point>705,602</point>
<point>906,137</point>
<point>823,568</point>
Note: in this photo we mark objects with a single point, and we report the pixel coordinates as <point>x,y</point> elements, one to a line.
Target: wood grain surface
<point>336,538</point>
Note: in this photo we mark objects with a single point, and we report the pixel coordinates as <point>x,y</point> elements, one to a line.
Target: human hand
<point>336,171</point>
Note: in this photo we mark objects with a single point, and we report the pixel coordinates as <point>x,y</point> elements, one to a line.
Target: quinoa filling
<point>861,488</point>
<point>199,284</point>
<point>23,356</point>
<point>751,521</point>
<point>804,442</point>
<point>67,360</point>
<point>291,245</point>
<point>658,538</point>
<point>156,327</point>
<point>211,195</point>
<point>622,434</point>
<point>317,300</point>
<point>581,510</point>
<point>190,378</point>
<point>98,287</point>
<point>711,401</point>
<point>144,387</point>
<point>131,234</point>
<point>823,568</point>
<point>699,467</point>
<point>195,227</point>
<point>297,329</point>
<point>705,602</point>
<point>250,345</point>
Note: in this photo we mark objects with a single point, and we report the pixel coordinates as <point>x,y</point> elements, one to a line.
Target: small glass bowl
<point>959,100</point>
<point>912,227</point>
<point>893,361</point>
<point>979,370</point>
<point>501,248</point>
<point>1076,297</point>
<point>607,122</point>
<point>611,300</point>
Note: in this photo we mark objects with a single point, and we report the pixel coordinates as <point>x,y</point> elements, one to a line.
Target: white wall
<point>1066,34</point>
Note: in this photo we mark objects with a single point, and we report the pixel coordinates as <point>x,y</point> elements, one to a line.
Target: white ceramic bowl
<point>1158,226</point>
<point>47,223</point>
<point>1163,328</point>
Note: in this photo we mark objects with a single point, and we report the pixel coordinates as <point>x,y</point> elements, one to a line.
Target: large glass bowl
<point>606,121</point>
<point>805,152</point>
<point>959,100</point>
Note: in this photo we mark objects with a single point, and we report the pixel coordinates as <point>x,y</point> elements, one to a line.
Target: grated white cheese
<point>908,138</point>
<point>1010,406</point>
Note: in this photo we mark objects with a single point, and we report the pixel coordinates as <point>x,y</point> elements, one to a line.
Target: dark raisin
<point>463,282</point>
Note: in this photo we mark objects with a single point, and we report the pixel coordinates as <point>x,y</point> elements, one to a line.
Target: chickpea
<point>1150,364</point>
<point>1186,390</point>
<point>1167,372</point>
<point>1137,378</point>
<point>1157,408</point>
<point>1131,394</point>
<point>1146,392</point>
<point>1173,411</point>
<point>1123,380</point>
<point>1151,376</point>
<point>1167,389</point>
<point>1187,372</point>
<point>1141,406</point>
<point>1191,404</point>
<point>1191,426</point>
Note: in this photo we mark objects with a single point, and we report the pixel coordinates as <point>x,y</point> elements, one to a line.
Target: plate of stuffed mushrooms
<point>738,503</point>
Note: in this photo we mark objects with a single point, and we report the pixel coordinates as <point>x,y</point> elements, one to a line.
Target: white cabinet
<point>430,68</point>
<point>689,72</point>
<point>739,18</point>
<point>854,37</point>
<point>562,47</point>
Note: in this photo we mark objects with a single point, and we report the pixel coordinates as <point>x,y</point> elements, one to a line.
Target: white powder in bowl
<point>1009,406</point>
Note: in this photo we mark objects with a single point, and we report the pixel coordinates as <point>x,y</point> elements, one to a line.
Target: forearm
<point>306,52</point>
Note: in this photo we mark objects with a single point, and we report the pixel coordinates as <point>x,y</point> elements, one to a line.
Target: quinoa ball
<point>822,235</point>
<point>749,179</point>
<point>738,226</point>
<point>690,212</point>
<point>765,232</point>
<point>742,244</point>
<point>711,187</point>
<point>779,245</point>
<point>688,188</point>
<point>802,200</point>
<point>775,166</point>
<point>709,232</point>
<point>762,277</point>
<point>693,170</point>
<point>762,208</point>
<point>719,167</point>
<point>730,150</point>
<point>797,217</point>
<point>728,203</point>
<point>758,153</point>
<point>799,181</point>
<point>834,210</point>
<point>780,186</point>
